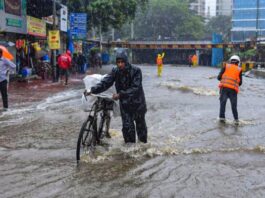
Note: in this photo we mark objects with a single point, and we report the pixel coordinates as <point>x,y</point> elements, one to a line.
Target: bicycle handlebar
<point>104,96</point>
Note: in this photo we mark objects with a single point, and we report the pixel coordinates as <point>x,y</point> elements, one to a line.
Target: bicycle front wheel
<point>103,130</point>
<point>86,139</point>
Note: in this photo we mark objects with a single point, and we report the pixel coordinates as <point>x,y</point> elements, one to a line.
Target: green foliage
<point>221,25</point>
<point>248,55</point>
<point>168,19</point>
<point>106,13</point>
<point>244,55</point>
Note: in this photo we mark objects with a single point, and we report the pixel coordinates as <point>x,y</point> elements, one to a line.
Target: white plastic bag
<point>87,102</point>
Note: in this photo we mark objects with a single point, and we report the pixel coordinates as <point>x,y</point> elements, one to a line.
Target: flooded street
<point>189,153</point>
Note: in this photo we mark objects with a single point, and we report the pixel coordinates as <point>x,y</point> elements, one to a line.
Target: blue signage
<point>78,25</point>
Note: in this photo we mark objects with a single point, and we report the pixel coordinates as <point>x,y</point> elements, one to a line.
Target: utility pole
<point>132,30</point>
<point>54,51</point>
<point>257,27</point>
<point>257,21</point>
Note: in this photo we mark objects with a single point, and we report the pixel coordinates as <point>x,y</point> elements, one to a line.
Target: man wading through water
<point>230,78</point>
<point>130,93</point>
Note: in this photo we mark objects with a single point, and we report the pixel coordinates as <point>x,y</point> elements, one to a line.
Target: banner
<point>63,18</point>
<point>54,39</point>
<point>24,7</point>
<point>13,7</point>
<point>36,27</point>
<point>1,4</point>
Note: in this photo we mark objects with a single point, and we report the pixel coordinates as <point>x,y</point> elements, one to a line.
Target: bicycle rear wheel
<point>86,139</point>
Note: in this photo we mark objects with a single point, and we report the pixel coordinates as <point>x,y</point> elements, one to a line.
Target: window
<point>245,14</point>
<point>245,3</point>
<point>244,24</point>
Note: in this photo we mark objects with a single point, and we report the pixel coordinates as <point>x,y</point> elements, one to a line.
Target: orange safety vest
<point>230,78</point>
<point>159,61</point>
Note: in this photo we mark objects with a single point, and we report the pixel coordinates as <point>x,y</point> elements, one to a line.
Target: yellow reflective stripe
<point>234,85</point>
<point>228,78</point>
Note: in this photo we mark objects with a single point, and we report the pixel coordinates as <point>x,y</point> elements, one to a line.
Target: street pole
<point>132,30</point>
<point>54,51</point>
<point>257,22</point>
<point>257,27</point>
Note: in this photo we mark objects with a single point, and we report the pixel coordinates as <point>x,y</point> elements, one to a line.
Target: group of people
<point>77,63</point>
<point>128,83</point>
<point>192,59</point>
<point>130,93</point>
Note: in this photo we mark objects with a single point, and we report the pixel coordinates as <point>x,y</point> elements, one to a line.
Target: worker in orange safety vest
<point>159,62</point>
<point>230,78</point>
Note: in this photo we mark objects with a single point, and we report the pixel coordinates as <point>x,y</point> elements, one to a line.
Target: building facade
<point>210,8</point>
<point>224,7</point>
<point>13,16</point>
<point>248,21</point>
<point>198,7</point>
<point>204,8</point>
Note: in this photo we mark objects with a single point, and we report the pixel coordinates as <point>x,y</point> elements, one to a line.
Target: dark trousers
<point>129,120</point>
<point>226,93</point>
<point>64,72</point>
<point>3,88</point>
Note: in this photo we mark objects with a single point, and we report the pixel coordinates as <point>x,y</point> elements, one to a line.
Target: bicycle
<point>44,69</point>
<point>91,133</point>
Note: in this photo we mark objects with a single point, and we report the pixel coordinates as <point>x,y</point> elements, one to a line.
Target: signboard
<point>13,22</point>
<point>54,39</point>
<point>13,7</point>
<point>36,27</point>
<point>63,18</point>
<point>13,16</point>
<point>78,25</point>
<point>1,4</point>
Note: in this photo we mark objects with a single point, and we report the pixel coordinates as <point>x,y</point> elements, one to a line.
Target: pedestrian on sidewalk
<point>64,62</point>
<point>230,78</point>
<point>130,93</point>
<point>159,62</point>
<point>190,60</point>
<point>194,60</point>
<point>5,67</point>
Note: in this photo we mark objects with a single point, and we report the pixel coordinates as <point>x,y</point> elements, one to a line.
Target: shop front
<point>12,24</point>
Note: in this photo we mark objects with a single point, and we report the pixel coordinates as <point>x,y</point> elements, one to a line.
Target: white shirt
<point>5,66</point>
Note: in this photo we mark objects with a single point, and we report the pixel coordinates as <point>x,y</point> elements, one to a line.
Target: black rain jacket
<point>128,83</point>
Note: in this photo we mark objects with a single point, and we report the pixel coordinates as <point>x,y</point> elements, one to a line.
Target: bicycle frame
<point>101,105</point>
<point>91,133</point>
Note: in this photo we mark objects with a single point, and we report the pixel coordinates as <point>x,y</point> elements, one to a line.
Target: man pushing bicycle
<point>130,93</point>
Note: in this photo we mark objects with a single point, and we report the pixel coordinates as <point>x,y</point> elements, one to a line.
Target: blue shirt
<point>5,66</point>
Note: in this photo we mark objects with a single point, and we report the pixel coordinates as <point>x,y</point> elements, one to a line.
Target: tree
<point>105,14</point>
<point>221,25</point>
<point>169,19</point>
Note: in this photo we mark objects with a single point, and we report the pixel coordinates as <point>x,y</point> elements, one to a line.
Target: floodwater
<point>189,153</point>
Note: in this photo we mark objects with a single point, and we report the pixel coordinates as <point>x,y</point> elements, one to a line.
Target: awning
<point>41,8</point>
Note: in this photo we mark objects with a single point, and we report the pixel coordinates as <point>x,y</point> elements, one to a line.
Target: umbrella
<point>6,53</point>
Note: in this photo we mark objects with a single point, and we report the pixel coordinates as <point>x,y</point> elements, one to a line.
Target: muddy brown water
<point>189,153</point>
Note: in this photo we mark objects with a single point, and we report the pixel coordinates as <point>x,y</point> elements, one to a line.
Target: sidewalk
<point>23,93</point>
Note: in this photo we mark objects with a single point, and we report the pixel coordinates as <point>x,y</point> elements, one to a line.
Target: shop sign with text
<point>13,16</point>
<point>54,39</point>
<point>36,27</point>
